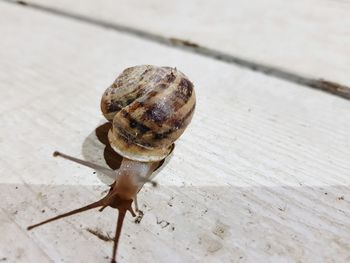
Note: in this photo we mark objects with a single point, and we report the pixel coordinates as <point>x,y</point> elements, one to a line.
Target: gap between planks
<point>319,84</point>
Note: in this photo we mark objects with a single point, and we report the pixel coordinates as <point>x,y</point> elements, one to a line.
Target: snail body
<point>149,108</point>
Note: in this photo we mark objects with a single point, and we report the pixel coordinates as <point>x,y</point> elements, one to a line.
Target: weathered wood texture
<point>261,175</point>
<point>310,38</point>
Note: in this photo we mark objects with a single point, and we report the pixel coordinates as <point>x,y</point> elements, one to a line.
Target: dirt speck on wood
<point>178,41</point>
<point>99,234</point>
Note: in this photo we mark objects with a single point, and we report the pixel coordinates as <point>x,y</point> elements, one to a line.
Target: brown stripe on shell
<point>150,95</point>
<point>127,99</point>
<point>128,138</point>
<point>123,134</point>
<point>184,90</point>
<point>135,105</point>
<point>131,76</point>
<point>114,106</point>
<point>176,124</point>
<point>134,124</point>
<point>130,79</point>
<point>181,94</point>
<point>144,73</point>
<point>157,113</point>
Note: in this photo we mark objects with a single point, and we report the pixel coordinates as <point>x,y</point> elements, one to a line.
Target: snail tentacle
<point>104,170</point>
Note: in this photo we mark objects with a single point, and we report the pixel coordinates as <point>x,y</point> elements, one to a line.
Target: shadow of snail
<point>148,108</point>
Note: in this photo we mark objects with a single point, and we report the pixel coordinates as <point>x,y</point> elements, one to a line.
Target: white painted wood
<point>261,175</point>
<point>311,38</point>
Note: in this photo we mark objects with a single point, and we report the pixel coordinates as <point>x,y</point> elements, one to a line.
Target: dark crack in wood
<point>319,84</point>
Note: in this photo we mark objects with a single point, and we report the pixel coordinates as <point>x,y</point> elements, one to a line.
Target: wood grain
<point>307,38</point>
<point>261,174</point>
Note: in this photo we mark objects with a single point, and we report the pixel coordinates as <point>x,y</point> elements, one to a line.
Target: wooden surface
<point>310,38</point>
<point>261,175</point>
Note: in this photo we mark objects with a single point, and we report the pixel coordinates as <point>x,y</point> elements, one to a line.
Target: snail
<point>149,108</point>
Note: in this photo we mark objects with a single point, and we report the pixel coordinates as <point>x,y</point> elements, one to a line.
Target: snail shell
<point>150,108</point>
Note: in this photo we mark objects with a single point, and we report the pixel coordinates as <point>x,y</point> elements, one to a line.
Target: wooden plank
<point>19,247</point>
<point>261,175</point>
<point>309,38</point>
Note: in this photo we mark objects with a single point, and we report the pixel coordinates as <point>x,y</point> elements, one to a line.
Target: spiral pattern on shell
<point>150,108</point>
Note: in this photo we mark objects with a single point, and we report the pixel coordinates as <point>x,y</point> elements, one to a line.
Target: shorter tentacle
<point>136,204</point>
<point>104,170</point>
